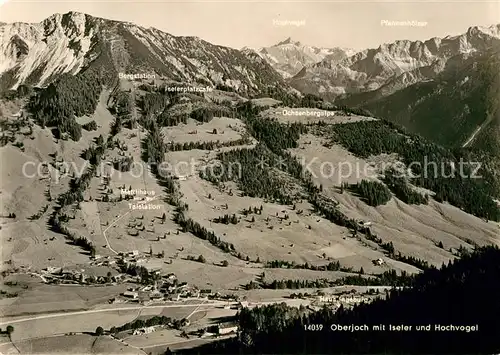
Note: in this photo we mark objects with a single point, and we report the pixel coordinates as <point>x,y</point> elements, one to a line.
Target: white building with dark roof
<point>227,328</point>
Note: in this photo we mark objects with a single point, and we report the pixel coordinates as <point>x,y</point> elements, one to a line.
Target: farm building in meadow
<point>146,330</point>
<point>131,294</point>
<point>227,328</point>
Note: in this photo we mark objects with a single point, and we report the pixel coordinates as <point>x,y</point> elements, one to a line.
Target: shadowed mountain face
<point>458,108</point>
<point>393,66</point>
<point>36,54</point>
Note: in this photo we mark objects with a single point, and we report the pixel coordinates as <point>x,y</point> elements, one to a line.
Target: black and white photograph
<point>249,177</point>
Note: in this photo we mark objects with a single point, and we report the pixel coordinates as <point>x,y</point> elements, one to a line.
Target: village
<point>127,269</point>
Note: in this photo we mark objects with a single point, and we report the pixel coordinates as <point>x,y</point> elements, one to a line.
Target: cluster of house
<point>99,260</point>
<point>151,329</point>
<point>58,275</point>
<point>167,288</point>
<point>131,257</point>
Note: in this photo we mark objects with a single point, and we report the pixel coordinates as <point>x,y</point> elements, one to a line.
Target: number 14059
<point>313,327</point>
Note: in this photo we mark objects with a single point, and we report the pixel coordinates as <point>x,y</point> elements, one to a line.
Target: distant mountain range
<point>442,88</point>
<point>290,57</point>
<point>67,43</point>
<point>392,66</point>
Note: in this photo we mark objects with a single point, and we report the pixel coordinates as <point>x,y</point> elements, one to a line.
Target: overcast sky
<point>237,23</point>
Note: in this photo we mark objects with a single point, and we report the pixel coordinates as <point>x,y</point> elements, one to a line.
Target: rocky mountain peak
<point>288,57</point>
<point>288,41</point>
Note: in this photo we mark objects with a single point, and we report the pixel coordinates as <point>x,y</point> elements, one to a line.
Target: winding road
<point>119,218</point>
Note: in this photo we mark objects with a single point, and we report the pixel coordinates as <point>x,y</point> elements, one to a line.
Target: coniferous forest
<point>70,96</point>
<point>401,189</point>
<point>252,169</point>
<point>463,294</point>
<point>372,192</point>
<point>229,198</point>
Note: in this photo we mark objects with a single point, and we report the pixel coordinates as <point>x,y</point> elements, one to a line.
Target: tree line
<point>142,323</point>
<point>188,225</point>
<point>373,193</point>
<point>401,189</point>
<point>351,280</point>
<point>91,126</point>
<point>284,264</point>
<point>226,219</point>
<point>56,222</point>
<point>207,145</point>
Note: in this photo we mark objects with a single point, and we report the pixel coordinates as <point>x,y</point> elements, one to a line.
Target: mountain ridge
<point>65,43</point>
<point>370,69</point>
<point>471,77</point>
<point>288,57</point>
